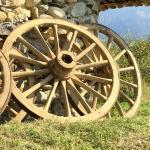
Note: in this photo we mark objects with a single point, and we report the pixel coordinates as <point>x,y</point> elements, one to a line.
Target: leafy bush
<point>141,50</point>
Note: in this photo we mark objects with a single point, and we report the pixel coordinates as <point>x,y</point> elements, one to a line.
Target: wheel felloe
<point>5,82</point>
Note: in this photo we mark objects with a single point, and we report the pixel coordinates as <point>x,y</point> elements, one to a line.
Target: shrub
<point>141,50</point>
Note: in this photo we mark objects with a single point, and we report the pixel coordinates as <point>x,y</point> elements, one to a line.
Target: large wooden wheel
<point>5,82</point>
<point>130,79</point>
<point>53,66</point>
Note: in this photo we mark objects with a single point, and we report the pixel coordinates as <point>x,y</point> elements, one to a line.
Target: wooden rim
<point>133,69</point>
<point>64,70</point>
<point>5,76</point>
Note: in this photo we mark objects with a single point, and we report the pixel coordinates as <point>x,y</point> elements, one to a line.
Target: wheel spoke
<point>109,43</point>
<point>49,51</point>
<point>34,50</point>
<point>74,112</point>
<point>92,52</point>
<point>93,78</point>
<point>119,108</point>
<point>65,98</point>
<point>130,101</point>
<point>94,102</point>
<point>1,74</point>
<point>57,46</point>
<point>120,54</point>
<point>52,94</point>
<point>12,110</point>
<point>83,92</point>
<point>76,104</point>
<point>127,69</point>
<point>20,116</point>
<point>79,50</point>
<point>84,52</point>
<point>67,41</point>
<point>95,57</point>
<point>80,83</point>
<point>128,84</point>
<point>105,90</point>
<point>72,41</point>
<point>81,98</point>
<point>37,86</point>
<point>90,65</point>
<point>15,54</point>
<point>21,74</point>
<point>109,115</point>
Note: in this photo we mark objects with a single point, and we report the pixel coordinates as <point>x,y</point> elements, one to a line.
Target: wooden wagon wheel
<point>62,67</point>
<point>5,82</point>
<point>130,79</point>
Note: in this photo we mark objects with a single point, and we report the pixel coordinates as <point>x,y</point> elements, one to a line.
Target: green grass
<point>110,134</point>
<point>146,91</point>
<point>117,133</point>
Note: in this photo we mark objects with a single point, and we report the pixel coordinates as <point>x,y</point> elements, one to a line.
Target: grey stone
<point>89,11</point>
<point>44,16</point>
<point>46,1</point>
<point>58,1</point>
<point>12,3</point>
<point>18,15</point>
<point>32,3</point>
<point>5,9</point>
<point>79,10</point>
<point>6,28</point>
<point>89,2</point>
<point>56,12</point>
<point>3,16</point>
<point>41,96</point>
<point>70,1</point>
<point>91,19</point>
<point>95,9</point>
<point>57,107</point>
<point>43,9</point>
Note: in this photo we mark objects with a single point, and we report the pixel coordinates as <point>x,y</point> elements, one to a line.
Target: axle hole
<point>67,59</point>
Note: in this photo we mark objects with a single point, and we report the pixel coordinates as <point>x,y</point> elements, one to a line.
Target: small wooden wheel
<point>5,82</point>
<point>60,58</point>
<point>130,79</point>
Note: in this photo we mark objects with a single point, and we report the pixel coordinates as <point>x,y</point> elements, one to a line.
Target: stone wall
<point>16,11</point>
<point>80,11</point>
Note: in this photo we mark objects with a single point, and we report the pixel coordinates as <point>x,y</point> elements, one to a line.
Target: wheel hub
<point>63,65</point>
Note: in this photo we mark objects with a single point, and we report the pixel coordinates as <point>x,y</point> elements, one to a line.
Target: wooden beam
<point>105,4</point>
